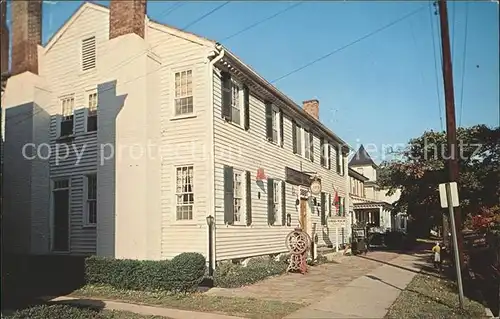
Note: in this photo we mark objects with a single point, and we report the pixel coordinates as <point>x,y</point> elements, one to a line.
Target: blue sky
<point>381,90</point>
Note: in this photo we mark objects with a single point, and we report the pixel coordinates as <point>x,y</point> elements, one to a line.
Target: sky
<point>382,90</point>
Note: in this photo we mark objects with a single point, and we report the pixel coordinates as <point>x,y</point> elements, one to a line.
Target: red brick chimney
<point>126,17</point>
<point>4,39</point>
<point>26,35</point>
<point>312,108</point>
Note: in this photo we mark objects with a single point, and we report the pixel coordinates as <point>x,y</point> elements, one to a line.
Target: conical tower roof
<point>361,158</point>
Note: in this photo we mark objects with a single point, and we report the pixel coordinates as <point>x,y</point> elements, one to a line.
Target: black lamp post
<point>210,223</point>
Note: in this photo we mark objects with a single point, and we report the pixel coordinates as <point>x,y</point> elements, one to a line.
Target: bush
<point>56,312</point>
<point>182,274</point>
<point>228,275</point>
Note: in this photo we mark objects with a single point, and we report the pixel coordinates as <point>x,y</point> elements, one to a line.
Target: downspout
<point>211,154</point>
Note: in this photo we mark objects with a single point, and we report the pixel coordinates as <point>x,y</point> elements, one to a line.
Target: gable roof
<point>361,158</point>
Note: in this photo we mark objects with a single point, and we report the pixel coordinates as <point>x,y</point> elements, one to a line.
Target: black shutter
<point>294,137</point>
<point>246,98</point>
<point>311,146</point>
<point>226,95</point>
<point>283,203</point>
<point>329,156</point>
<point>330,205</point>
<point>322,151</point>
<point>228,195</point>
<point>248,193</point>
<point>270,202</point>
<point>269,121</point>
<point>282,133</point>
<point>323,208</point>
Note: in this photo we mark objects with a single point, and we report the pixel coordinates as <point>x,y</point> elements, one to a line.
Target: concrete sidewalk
<point>141,309</point>
<point>368,296</point>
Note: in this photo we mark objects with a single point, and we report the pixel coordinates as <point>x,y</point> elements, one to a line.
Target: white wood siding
<point>249,150</point>
<point>61,67</point>
<point>184,140</point>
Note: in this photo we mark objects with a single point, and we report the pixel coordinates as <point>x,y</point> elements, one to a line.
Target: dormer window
<point>88,54</point>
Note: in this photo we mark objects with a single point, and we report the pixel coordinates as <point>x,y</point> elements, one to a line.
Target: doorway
<point>303,214</point>
<point>60,226</point>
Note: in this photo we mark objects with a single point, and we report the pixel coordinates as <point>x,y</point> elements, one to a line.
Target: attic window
<point>88,54</point>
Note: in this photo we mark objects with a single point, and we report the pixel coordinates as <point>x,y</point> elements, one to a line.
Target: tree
<point>422,166</point>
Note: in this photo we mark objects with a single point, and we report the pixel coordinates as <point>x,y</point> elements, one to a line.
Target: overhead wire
<point>464,59</point>
<point>406,16</point>
<point>438,92</point>
<point>206,15</point>
<point>263,20</point>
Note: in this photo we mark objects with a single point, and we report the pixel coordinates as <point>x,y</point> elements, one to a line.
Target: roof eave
<point>293,106</point>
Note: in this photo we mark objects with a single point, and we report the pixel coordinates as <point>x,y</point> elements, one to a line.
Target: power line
<point>263,20</point>
<point>206,15</point>
<point>463,64</point>
<point>436,67</point>
<point>348,45</point>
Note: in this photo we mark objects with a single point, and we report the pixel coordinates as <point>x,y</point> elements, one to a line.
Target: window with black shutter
<point>246,101</point>
<point>271,217</point>
<point>269,121</point>
<point>248,197</point>
<point>294,137</point>
<point>322,158</point>
<point>311,146</point>
<point>226,95</point>
<point>282,132</point>
<point>228,195</point>
<point>283,203</point>
<point>323,208</point>
<point>329,157</point>
<point>338,160</point>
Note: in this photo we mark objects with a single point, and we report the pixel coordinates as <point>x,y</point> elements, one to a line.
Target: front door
<point>60,240</point>
<point>303,214</point>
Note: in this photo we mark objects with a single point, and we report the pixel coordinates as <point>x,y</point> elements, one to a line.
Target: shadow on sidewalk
<point>421,265</point>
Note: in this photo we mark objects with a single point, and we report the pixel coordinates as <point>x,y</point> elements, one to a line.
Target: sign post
<point>448,195</point>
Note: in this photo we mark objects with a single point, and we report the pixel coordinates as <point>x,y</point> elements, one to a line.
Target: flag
<point>336,200</point>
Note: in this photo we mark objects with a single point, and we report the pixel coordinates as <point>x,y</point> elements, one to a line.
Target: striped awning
<point>372,205</point>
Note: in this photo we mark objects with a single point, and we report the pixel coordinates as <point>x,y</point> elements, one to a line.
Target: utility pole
<point>451,129</point>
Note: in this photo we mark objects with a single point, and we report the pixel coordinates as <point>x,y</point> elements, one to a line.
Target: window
<point>238,196</point>
<point>184,92</point>
<point>236,103</point>
<point>91,200</point>
<point>92,112</point>
<point>298,142</point>
<point>324,153</point>
<point>276,200</point>
<point>88,54</point>
<point>184,193</point>
<point>67,105</point>
<point>340,161</point>
<point>307,145</point>
<point>276,119</point>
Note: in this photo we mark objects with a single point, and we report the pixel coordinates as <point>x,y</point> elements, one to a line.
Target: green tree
<point>422,166</point>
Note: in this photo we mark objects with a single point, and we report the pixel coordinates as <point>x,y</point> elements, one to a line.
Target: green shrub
<point>182,274</point>
<point>229,275</point>
<point>55,312</point>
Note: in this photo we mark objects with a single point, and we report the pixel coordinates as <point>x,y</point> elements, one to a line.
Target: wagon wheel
<point>297,242</point>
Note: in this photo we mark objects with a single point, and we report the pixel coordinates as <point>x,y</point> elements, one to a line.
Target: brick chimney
<point>126,17</point>
<point>4,39</point>
<point>312,108</point>
<point>26,35</point>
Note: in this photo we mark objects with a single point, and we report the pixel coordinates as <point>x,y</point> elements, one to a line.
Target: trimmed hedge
<point>229,275</point>
<point>181,274</point>
<point>57,312</point>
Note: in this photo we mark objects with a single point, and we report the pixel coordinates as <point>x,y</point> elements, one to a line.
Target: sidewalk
<point>141,309</point>
<point>368,296</point>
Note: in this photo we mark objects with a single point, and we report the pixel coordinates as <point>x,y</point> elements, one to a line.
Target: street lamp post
<point>210,223</point>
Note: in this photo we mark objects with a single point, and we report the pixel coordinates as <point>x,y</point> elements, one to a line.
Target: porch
<point>376,213</point>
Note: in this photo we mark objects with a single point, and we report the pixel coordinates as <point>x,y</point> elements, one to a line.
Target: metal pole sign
<point>451,194</point>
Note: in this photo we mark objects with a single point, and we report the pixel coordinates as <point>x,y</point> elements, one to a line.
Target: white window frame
<point>65,115</point>
<point>241,197</point>
<point>81,53</point>
<point>299,140</point>
<point>275,125</point>
<point>87,200</point>
<point>240,106</point>
<point>307,145</point>
<point>184,193</point>
<point>89,112</point>
<point>181,96</point>
<point>277,202</point>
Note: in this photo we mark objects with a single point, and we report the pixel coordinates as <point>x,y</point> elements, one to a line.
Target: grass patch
<point>55,311</point>
<point>431,297</point>
<point>243,307</point>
